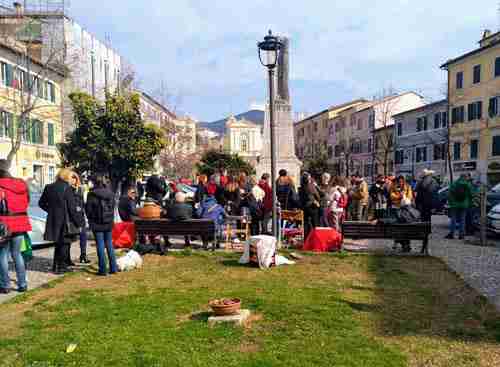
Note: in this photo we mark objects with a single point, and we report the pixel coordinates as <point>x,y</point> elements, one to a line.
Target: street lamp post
<point>268,55</point>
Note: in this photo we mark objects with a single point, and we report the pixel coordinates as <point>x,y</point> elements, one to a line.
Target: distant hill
<point>255,116</point>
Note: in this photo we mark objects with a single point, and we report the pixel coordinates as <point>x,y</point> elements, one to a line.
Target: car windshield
<point>496,188</point>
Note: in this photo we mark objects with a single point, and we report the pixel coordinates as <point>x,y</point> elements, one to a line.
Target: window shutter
<point>470,112</point>
<point>479,110</point>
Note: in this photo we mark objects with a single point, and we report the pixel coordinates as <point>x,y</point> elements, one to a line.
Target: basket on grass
<point>150,210</point>
<point>225,306</point>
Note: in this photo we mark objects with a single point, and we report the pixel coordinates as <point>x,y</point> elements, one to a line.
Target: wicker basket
<point>221,309</point>
<point>149,211</point>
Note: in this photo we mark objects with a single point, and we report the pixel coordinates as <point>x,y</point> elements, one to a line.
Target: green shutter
<point>50,128</point>
<point>52,92</point>
<point>8,75</point>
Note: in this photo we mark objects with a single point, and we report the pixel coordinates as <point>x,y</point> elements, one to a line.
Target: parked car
<point>443,201</point>
<point>493,222</point>
<point>493,197</point>
<point>38,220</point>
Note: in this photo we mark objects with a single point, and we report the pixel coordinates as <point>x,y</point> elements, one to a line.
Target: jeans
<point>104,241</point>
<point>457,217</point>
<point>14,247</point>
<point>83,242</point>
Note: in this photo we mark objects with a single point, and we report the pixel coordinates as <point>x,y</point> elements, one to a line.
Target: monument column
<point>285,143</point>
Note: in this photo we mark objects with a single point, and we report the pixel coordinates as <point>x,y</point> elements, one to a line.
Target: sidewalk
<point>39,269</point>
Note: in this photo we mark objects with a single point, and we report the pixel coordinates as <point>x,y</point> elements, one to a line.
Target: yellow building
<point>473,97</point>
<point>30,89</point>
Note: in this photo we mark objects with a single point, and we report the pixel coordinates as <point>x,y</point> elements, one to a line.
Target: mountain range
<point>219,126</point>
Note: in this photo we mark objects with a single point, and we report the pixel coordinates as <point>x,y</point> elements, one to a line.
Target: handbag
<point>5,234</point>
<point>70,229</point>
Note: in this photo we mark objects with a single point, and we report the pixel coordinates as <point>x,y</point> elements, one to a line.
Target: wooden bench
<point>407,231</point>
<point>205,228</point>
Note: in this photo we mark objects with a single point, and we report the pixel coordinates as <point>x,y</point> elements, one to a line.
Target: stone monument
<point>285,143</point>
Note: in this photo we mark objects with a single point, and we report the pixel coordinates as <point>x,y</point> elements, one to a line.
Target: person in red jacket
<point>267,202</point>
<point>14,192</point>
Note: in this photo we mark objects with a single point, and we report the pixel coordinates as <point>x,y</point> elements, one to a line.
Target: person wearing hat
<point>426,192</point>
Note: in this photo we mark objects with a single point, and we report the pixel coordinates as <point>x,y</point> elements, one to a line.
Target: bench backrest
<point>409,231</point>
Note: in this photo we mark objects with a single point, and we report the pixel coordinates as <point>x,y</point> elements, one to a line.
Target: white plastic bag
<point>130,261</point>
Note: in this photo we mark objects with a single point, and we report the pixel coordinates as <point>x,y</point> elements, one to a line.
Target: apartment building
<point>30,91</point>
<point>311,135</point>
<point>356,127</point>
<point>421,137</point>
<point>473,95</point>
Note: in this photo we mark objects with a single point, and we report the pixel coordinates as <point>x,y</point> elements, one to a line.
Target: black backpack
<point>106,212</point>
<point>459,192</point>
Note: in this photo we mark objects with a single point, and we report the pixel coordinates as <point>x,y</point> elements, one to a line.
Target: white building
<point>244,138</point>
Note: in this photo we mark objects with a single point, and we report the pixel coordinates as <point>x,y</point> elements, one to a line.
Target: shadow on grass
<point>420,296</point>
<point>200,316</point>
<point>232,263</point>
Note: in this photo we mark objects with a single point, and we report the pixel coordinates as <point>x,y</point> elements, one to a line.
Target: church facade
<point>244,138</point>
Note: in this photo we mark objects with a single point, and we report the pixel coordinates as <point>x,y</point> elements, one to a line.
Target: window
<point>444,118</point>
<point>439,152</point>
<point>493,107</point>
<point>422,124</point>
<point>437,120</point>
<point>497,67</point>
<point>496,146</point>
<point>367,170</point>
<point>399,157</point>
<point>456,151</point>
<point>330,152</point>
<point>360,124</point>
<point>475,111</point>
<point>476,74</point>
<point>371,120</point>
<point>52,174</point>
<point>338,150</point>
<point>36,132</point>
<point>369,145</point>
<point>421,154</point>
<point>460,80</point>
<point>353,120</point>
<point>457,115</point>
<point>474,149</point>
<point>399,128</point>
<point>330,130</point>
<point>315,126</point>
<point>50,139</point>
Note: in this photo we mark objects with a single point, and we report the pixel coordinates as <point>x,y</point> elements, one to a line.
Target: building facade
<point>421,140</point>
<point>55,38</point>
<point>311,135</point>
<point>474,114</point>
<point>355,130</point>
<point>244,138</point>
<point>29,89</point>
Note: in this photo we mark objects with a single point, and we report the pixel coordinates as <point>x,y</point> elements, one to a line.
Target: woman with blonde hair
<point>76,185</point>
<point>63,218</point>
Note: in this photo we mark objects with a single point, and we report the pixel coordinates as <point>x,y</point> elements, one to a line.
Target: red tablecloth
<point>123,235</point>
<point>323,240</point>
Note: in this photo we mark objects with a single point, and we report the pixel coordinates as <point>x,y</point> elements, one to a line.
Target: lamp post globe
<point>269,50</point>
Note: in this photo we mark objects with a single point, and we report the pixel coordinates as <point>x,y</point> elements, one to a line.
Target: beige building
<point>474,111</point>
<point>29,88</point>
<point>311,135</point>
<point>244,138</point>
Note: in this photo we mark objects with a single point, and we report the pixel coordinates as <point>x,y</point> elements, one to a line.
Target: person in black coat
<point>178,212</point>
<point>127,206</point>
<point>58,200</point>
<point>100,211</point>
<point>156,188</point>
<point>310,201</point>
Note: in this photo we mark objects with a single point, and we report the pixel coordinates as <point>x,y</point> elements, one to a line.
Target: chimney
<point>19,9</point>
<point>486,33</point>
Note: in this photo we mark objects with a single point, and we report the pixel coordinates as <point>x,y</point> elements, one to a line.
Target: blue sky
<point>205,51</point>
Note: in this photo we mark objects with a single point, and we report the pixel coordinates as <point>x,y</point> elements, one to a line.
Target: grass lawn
<point>329,310</point>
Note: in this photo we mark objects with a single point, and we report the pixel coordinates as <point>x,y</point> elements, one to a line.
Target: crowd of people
<point>325,201</point>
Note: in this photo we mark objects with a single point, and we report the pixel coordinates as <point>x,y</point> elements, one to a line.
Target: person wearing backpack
<point>100,211</point>
<point>14,195</point>
<point>426,191</point>
<point>459,200</point>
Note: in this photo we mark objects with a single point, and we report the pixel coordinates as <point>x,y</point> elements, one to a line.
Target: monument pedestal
<point>285,144</point>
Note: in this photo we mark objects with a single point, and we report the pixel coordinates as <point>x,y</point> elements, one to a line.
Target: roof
<point>471,53</point>
<point>312,117</point>
<point>429,105</point>
<point>154,101</point>
<point>347,104</point>
<point>17,47</point>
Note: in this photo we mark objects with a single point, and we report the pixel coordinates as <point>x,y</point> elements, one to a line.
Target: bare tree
<point>32,91</point>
